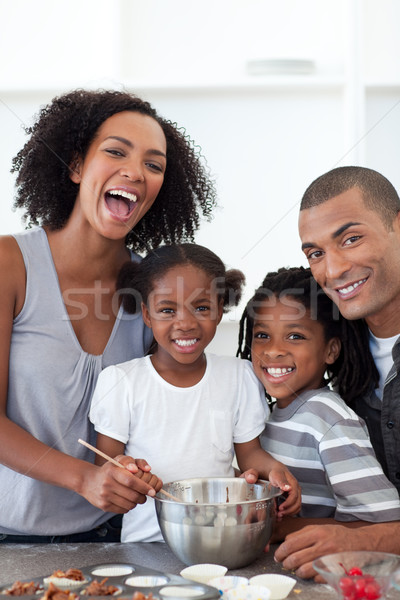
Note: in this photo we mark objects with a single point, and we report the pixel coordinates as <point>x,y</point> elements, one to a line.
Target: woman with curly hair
<point>101,176</point>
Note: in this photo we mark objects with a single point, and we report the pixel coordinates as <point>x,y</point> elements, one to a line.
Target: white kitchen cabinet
<point>265,137</point>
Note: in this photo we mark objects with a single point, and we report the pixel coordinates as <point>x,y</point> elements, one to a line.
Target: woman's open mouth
<point>120,203</point>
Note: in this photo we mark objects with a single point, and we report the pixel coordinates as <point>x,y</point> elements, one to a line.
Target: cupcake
<point>19,588</point>
<point>101,588</point>
<point>55,593</point>
<point>66,579</point>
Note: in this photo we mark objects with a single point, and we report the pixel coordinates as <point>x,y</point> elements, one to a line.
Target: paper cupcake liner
<point>113,571</point>
<point>146,581</point>
<point>180,591</point>
<point>280,585</point>
<point>202,573</point>
<point>229,582</point>
<point>64,582</point>
<point>248,592</point>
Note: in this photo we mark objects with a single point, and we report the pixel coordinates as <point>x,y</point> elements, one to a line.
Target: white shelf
<point>254,83</point>
<point>261,83</point>
<point>385,86</point>
<point>245,84</point>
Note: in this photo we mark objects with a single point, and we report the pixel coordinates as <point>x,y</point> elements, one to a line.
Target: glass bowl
<point>358,575</point>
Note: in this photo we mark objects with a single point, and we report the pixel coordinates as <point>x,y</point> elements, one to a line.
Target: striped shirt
<point>327,448</point>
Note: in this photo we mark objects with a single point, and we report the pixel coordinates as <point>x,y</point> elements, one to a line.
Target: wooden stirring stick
<point>118,464</point>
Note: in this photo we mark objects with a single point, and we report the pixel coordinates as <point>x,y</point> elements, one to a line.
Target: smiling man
<point>349,226</point>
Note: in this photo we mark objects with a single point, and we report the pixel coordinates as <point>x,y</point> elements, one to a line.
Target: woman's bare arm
<point>106,487</point>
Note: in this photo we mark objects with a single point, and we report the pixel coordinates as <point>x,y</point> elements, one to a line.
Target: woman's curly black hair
<point>354,372</point>
<point>64,130</point>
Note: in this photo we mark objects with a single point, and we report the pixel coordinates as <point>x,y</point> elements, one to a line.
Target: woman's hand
<point>119,490</point>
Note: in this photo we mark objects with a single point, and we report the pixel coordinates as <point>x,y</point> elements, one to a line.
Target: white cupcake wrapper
<point>113,571</point>
<point>146,580</point>
<point>248,592</point>
<point>202,573</point>
<point>280,585</point>
<point>64,582</point>
<point>181,591</point>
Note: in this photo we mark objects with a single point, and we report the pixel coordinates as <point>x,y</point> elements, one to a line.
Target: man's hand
<point>302,547</point>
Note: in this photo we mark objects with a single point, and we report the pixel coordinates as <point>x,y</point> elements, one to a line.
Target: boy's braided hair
<point>354,373</point>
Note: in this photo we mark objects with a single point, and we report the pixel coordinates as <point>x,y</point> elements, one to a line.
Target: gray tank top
<point>51,382</point>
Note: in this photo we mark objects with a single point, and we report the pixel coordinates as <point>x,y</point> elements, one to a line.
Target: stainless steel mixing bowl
<point>218,520</point>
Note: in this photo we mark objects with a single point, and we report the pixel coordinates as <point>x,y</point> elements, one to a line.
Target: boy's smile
<point>289,351</point>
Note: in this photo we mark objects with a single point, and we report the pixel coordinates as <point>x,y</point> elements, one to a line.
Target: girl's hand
<point>134,465</point>
<point>251,475</point>
<point>155,482</point>
<point>282,478</point>
<point>141,469</point>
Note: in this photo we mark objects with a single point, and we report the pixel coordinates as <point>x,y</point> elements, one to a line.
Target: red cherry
<point>359,586</point>
<point>346,584</point>
<point>354,571</point>
<point>372,591</point>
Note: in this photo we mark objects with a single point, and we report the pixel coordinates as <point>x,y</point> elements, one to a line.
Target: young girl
<point>181,409</point>
<point>294,335</point>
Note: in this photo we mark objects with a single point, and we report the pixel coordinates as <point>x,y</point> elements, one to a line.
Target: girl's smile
<point>186,345</point>
<point>289,351</point>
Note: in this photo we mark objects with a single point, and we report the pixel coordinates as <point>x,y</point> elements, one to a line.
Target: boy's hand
<point>289,485</point>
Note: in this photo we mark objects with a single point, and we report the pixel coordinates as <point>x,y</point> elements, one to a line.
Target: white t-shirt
<point>381,350</point>
<point>181,432</point>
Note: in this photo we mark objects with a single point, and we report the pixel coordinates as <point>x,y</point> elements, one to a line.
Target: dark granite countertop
<point>25,561</point>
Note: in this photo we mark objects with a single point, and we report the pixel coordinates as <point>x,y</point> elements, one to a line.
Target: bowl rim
<point>376,553</point>
<point>274,492</point>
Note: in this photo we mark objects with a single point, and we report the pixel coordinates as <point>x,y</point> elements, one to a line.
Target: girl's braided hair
<point>354,372</point>
<point>136,279</point>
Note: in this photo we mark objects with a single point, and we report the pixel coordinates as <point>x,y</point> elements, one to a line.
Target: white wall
<point>265,137</point>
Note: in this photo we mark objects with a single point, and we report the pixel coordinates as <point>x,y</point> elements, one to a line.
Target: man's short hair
<point>377,191</point>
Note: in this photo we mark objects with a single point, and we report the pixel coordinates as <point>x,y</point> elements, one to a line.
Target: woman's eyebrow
<point>130,145</point>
